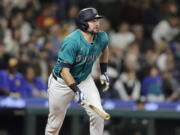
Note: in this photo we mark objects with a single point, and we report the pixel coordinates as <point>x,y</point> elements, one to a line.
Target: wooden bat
<point>100,112</point>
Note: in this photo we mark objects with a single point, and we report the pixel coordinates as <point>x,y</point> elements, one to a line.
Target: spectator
<point>171,80</point>
<point>29,16</point>
<point>171,86</point>
<point>33,86</point>
<point>131,56</point>
<point>71,15</point>
<point>49,48</point>
<point>128,86</point>
<point>165,31</point>
<point>11,80</point>
<point>37,38</point>
<point>12,43</point>
<point>24,61</point>
<point>46,19</point>
<point>144,42</point>
<point>3,57</point>
<point>163,59</point>
<point>16,21</point>
<point>31,50</point>
<point>55,38</point>
<point>145,61</point>
<point>123,37</point>
<point>152,86</point>
<point>43,66</point>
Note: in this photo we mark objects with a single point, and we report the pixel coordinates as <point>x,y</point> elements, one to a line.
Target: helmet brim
<point>98,17</point>
<point>94,17</point>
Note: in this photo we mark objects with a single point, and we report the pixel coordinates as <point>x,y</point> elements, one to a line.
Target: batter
<point>71,77</point>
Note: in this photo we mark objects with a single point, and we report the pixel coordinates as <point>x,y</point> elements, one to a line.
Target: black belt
<point>55,77</point>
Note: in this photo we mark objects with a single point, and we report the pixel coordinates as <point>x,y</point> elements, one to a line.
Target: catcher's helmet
<point>85,15</point>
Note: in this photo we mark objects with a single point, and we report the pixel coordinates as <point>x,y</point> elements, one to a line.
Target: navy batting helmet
<point>85,15</point>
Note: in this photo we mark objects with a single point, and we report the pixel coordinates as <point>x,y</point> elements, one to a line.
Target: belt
<point>56,78</point>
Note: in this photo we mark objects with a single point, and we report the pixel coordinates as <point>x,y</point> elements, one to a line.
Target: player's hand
<point>104,80</point>
<point>79,97</point>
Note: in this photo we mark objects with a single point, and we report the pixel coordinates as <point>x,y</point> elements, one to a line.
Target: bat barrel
<point>100,112</point>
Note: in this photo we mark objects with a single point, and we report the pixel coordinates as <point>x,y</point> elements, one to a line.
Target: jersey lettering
<point>89,58</point>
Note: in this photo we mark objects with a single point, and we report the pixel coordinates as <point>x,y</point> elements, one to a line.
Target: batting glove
<point>104,80</point>
<point>79,97</point>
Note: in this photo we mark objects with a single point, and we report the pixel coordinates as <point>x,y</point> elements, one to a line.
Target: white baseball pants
<point>60,96</point>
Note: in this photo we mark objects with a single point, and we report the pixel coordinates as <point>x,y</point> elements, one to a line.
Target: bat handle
<point>85,102</point>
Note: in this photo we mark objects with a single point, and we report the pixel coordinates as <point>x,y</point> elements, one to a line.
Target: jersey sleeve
<point>68,51</point>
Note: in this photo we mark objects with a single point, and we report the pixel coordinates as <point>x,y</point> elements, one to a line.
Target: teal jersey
<point>76,51</point>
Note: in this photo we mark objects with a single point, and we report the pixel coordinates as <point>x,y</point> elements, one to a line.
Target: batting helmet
<point>85,15</point>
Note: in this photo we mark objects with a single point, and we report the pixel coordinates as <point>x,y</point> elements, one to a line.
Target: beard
<point>93,32</point>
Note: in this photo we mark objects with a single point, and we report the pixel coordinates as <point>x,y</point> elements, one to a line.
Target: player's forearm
<point>69,80</point>
<point>67,77</point>
<point>104,56</point>
<point>103,60</point>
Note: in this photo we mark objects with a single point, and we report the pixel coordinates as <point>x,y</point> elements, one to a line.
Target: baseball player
<point>71,77</point>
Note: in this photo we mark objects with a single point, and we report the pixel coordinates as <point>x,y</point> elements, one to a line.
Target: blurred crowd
<point>144,47</point>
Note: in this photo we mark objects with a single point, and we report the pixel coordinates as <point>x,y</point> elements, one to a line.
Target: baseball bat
<point>100,112</point>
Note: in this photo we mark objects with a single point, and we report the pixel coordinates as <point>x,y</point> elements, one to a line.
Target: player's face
<point>93,26</point>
